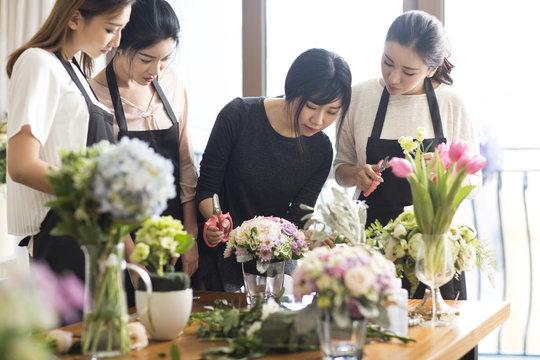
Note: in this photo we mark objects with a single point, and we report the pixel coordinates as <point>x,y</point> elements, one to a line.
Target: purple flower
<point>288,228</point>
<point>353,308</point>
<point>338,270</point>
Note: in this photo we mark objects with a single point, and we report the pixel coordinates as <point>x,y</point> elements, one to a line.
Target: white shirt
<point>41,94</point>
<point>405,113</point>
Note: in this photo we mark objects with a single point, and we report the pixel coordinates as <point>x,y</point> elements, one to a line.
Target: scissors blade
<point>216,208</point>
<point>382,167</point>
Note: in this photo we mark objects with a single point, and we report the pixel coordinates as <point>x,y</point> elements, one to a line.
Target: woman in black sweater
<point>266,156</point>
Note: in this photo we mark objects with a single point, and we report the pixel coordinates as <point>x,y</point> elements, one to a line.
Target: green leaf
<point>175,353</point>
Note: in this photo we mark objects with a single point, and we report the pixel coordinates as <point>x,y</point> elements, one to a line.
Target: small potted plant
<point>157,242</point>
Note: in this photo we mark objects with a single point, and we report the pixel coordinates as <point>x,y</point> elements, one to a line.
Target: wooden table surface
<point>476,320</point>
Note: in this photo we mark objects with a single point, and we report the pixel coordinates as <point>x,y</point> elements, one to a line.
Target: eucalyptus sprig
<point>343,218</point>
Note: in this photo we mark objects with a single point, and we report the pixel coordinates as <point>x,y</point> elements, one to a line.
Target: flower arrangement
<point>352,282</point>
<point>159,240</point>
<point>399,240</point>
<point>266,238</point>
<point>103,192</point>
<point>31,303</point>
<point>343,219</point>
<point>437,185</point>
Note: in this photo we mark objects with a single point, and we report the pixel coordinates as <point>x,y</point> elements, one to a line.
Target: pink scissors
<point>217,219</point>
<point>382,166</point>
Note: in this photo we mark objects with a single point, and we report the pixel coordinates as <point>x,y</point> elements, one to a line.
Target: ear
<point>75,21</point>
<point>432,72</point>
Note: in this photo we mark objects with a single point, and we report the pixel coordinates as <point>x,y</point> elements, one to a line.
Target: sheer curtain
<point>19,20</point>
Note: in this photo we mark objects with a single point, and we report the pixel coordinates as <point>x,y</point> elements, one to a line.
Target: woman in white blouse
<point>52,107</point>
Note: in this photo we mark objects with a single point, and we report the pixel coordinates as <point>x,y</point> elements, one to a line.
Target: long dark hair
<point>425,34</point>
<point>319,76</point>
<point>151,21</point>
<point>54,32</point>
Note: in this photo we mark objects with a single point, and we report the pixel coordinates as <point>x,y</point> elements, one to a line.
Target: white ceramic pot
<point>169,311</point>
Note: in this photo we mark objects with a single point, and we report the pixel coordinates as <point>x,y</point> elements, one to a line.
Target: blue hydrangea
<point>132,181</point>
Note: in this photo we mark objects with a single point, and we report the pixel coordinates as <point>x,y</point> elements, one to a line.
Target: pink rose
<point>457,149</point>
<point>401,167</point>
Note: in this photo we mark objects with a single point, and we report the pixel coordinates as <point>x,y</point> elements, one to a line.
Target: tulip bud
<point>476,163</point>
<point>457,149</point>
<point>401,167</point>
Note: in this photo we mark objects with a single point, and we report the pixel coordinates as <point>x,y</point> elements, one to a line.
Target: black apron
<point>63,253</point>
<point>164,141</point>
<point>389,198</point>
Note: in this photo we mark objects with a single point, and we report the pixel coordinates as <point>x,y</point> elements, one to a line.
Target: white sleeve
<point>34,94</point>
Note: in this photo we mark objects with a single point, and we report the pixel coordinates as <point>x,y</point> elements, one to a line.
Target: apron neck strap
<point>433,110</point>
<point>115,97</point>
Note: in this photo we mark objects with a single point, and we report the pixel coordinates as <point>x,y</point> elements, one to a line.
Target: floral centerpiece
<point>351,282</point>
<point>166,312</point>
<point>399,240</point>
<point>266,238</point>
<point>103,192</point>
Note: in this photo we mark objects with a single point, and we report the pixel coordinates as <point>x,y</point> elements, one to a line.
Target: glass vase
<point>266,285</point>
<point>341,342</point>
<point>425,306</point>
<point>105,332</point>
<point>434,267</point>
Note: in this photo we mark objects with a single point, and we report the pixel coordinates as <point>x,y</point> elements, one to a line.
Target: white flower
<point>137,336</point>
<point>60,340</point>
<point>168,243</point>
<point>358,281</point>
<point>399,230</point>
<point>256,326</point>
<point>270,307</point>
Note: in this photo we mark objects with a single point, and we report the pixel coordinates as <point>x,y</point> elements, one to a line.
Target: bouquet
<point>352,282</point>
<point>437,185</point>
<point>399,240</point>
<point>343,219</point>
<point>103,192</point>
<point>159,240</point>
<point>266,238</point>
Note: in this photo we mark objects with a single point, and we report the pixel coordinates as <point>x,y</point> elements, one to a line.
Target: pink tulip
<point>463,161</point>
<point>401,167</point>
<point>476,163</point>
<point>457,149</point>
<point>443,149</point>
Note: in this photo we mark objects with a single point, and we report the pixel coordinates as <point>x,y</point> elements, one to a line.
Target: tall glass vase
<point>105,332</point>
<point>267,284</point>
<point>434,267</point>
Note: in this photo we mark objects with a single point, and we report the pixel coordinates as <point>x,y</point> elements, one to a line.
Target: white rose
<point>256,326</point>
<point>60,340</point>
<point>399,230</point>
<point>358,281</point>
<point>137,336</point>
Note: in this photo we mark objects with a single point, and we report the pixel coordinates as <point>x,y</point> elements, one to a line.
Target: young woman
<point>414,91</point>
<point>266,156</point>
<point>149,102</point>
<point>51,106</point>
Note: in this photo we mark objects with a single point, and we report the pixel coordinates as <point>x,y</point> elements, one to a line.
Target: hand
<point>329,241</point>
<point>190,260</point>
<point>366,175</point>
<point>214,235</point>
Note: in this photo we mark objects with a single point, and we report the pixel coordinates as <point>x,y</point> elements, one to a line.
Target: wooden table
<point>476,320</point>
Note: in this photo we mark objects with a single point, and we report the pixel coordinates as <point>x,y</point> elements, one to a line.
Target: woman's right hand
<point>214,235</point>
<point>366,175</point>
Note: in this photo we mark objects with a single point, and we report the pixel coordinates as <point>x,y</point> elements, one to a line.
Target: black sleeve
<point>215,158</point>
<point>310,191</point>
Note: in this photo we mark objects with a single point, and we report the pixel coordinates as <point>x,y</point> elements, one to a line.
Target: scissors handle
<point>374,183</point>
<point>217,220</point>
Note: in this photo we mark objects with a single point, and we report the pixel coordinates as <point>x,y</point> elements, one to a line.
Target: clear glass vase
<point>105,332</point>
<point>425,306</point>
<point>266,285</point>
<point>341,342</point>
<point>434,267</point>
